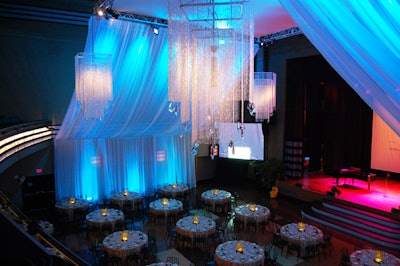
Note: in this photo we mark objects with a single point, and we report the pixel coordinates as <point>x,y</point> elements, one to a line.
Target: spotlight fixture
<point>100,12</point>
<point>155,30</point>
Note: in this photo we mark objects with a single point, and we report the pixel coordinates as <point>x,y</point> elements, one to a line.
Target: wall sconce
<point>165,201</point>
<point>124,236</point>
<point>72,200</point>
<point>104,212</point>
<point>216,191</point>
<point>195,219</point>
<point>301,226</point>
<point>239,247</point>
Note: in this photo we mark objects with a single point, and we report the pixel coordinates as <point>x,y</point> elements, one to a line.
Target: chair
<point>326,244</point>
<point>170,236</point>
<point>114,261</point>
<point>312,251</point>
<point>173,260</point>
<point>345,257</point>
<point>133,260</point>
<point>293,247</point>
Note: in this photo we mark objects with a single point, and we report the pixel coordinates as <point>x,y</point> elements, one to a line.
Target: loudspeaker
<point>394,210</point>
<point>330,193</point>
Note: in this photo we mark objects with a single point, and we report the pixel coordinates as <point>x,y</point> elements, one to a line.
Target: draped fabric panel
<point>139,145</point>
<point>361,41</point>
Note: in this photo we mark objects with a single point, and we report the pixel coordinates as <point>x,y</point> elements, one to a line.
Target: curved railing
<point>23,137</point>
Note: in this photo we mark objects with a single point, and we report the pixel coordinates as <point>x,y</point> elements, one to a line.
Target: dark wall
<point>37,65</point>
<point>334,123</point>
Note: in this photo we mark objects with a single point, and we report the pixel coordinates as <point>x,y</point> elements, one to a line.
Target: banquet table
<point>215,197</point>
<point>174,190</point>
<point>119,199</point>
<point>113,244</point>
<point>98,220</point>
<point>173,206</point>
<point>186,226</point>
<point>257,215</point>
<point>311,235</point>
<point>227,254</point>
<point>71,209</point>
<point>367,257</point>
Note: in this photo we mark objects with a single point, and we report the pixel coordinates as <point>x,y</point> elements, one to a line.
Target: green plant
<point>268,172</point>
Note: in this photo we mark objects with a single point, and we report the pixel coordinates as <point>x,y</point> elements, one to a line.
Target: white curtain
<point>139,145</point>
<point>361,41</point>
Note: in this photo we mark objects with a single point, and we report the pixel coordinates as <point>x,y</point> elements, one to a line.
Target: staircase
<point>371,227</point>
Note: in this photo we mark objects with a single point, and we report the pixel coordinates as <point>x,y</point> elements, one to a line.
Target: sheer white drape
<point>361,41</point>
<point>139,145</point>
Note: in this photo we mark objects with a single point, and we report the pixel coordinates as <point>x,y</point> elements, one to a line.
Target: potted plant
<point>268,172</point>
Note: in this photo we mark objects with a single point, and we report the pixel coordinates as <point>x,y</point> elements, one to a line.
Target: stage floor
<point>383,194</point>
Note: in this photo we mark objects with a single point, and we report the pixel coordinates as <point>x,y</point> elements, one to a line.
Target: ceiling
<point>269,15</point>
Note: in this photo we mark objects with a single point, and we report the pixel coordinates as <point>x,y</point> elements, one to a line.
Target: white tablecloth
<point>205,227</point>
<point>310,236</point>
<point>174,191</point>
<point>65,206</point>
<point>226,254</point>
<point>244,213</point>
<point>173,206</point>
<point>367,257</point>
<point>115,246</point>
<point>97,219</point>
<point>223,197</point>
<point>119,199</point>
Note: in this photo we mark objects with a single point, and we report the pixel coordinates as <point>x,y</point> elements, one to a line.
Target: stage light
<point>155,30</point>
<point>100,12</point>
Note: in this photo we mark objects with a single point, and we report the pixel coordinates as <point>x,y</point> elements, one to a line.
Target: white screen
<point>385,147</point>
<point>250,147</point>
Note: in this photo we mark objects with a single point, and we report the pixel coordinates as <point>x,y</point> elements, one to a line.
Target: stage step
<point>354,226</point>
<point>363,214</point>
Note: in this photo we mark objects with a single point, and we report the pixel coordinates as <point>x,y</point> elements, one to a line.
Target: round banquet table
<point>97,219</point>
<point>113,245</point>
<point>222,197</point>
<point>186,227</point>
<point>174,191</point>
<point>226,254</point>
<point>70,209</point>
<point>310,236</point>
<point>157,207</point>
<point>367,257</point>
<point>119,199</point>
<point>245,214</point>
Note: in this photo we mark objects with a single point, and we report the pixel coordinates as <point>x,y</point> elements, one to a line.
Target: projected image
<point>244,142</point>
<point>385,147</point>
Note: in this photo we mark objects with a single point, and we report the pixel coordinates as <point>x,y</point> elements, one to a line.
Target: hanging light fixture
<point>263,96</point>
<point>93,83</point>
<point>210,63</point>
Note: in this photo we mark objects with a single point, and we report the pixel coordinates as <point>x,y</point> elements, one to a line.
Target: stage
<point>384,194</point>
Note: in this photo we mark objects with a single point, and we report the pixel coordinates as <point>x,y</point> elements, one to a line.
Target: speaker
<point>394,210</point>
<point>330,193</point>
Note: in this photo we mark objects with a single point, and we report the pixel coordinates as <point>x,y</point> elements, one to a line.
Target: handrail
<point>18,137</point>
<point>36,232</point>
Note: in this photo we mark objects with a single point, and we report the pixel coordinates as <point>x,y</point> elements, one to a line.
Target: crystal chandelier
<point>93,83</point>
<point>210,63</point>
<point>263,95</point>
